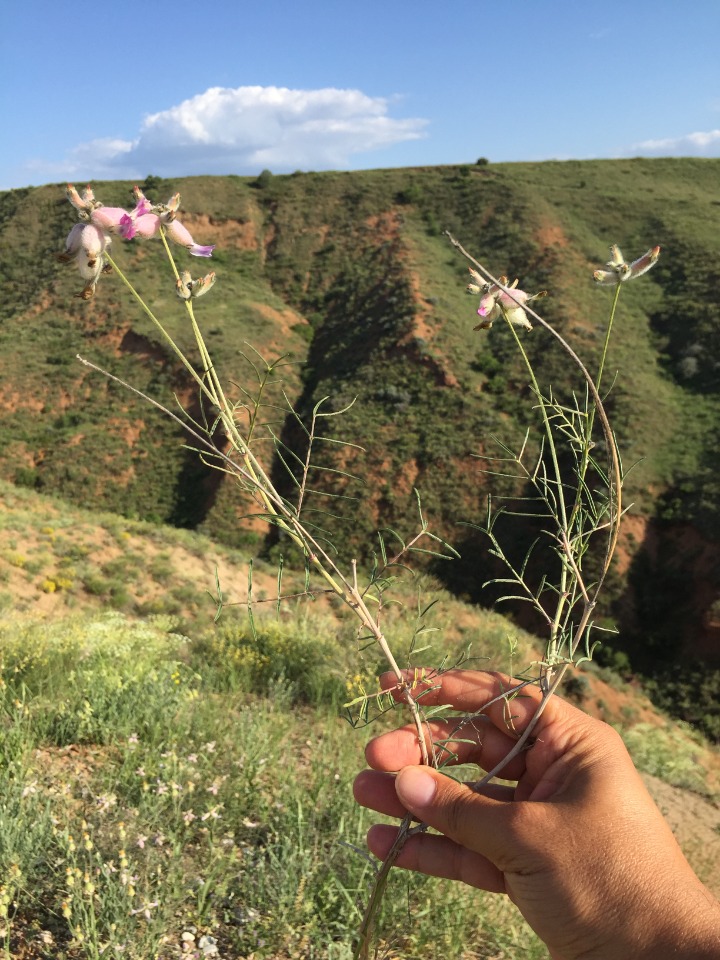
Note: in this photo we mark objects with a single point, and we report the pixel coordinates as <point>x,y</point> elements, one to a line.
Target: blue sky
<point>169,87</point>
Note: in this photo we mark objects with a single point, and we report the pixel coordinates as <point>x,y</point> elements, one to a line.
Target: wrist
<point>689,932</point>
<point>682,923</point>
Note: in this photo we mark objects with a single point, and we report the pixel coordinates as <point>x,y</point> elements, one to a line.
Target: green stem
<point>590,421</point>
<point>562,519</point>
<point>181,356</point>
<point>614,471</point>
<point>601,368</point>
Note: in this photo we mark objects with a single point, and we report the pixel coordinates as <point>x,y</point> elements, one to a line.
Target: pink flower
<point>84,246</point>
<point>87,241</point>
<point>145,226</point>
<point>496,302</point>
<point>147,219</point>
<point>108,218</point>
<point>619,271</point>
<point>181,236</point>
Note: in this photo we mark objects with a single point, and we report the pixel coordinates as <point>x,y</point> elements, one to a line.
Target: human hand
<point>578,844</point>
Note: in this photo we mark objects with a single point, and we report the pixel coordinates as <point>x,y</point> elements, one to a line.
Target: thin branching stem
<point>614,475</point>
<point>234,455</point>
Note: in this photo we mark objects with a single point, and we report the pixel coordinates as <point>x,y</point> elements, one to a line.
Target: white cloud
<point>244,129</point>
<point>704,144</point>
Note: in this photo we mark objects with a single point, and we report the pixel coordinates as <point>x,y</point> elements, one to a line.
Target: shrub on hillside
<point>232,658</point>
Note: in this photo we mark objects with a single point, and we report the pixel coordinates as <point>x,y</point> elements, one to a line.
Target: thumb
<point>472,820</point>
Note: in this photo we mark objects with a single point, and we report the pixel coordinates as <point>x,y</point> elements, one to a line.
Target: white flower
<point>186,287</point>
<point>208,946</point>
<point>619,271</point>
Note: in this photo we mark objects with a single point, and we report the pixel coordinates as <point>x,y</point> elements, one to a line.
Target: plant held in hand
<point>576,505</point>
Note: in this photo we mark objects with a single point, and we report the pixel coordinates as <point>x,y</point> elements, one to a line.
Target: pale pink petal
<point>487,305</point>
<point>179,233</point>
<point>93,240</point>
<point>74,239</point>
<point>518,317</point>
<point>511,301</point>
<point>147,225</point>
<point>90,269</point>
<point>182,236</point>
<point>198,251</point>
<point>643,263</point>
<point>108,218</point>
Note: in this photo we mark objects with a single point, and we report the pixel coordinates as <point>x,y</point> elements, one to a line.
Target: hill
<point>147,801</point>
<point>350,273</point>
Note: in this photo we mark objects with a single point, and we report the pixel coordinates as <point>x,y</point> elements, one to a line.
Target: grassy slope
<point>309,240</point>
<point>125,738</point>
<point>351,272</point>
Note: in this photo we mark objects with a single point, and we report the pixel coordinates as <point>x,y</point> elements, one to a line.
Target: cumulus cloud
<point>702,144</point>
<point>245,129</point>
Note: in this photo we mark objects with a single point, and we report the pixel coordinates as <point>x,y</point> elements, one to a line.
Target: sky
<point>93,91</point>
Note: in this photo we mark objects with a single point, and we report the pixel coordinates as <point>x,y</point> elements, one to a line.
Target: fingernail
<point>415,787</point>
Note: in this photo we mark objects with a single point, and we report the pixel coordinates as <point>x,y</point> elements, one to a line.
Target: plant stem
<point>552,647</point>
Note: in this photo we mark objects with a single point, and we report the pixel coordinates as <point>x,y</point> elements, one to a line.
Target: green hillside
<point>351,275</point>
<point>168,782</point>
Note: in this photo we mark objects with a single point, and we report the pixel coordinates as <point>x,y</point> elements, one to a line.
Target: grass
<point>166,781</point>
<point>146,798</point>
<point>159,791</point>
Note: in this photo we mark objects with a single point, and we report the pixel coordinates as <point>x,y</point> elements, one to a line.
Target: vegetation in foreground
<point>122,727</point>
<point>173,787</point>
<point>164,797</point>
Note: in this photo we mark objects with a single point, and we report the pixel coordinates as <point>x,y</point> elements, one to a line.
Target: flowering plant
<point>88,241</point>
<point>575,508</point>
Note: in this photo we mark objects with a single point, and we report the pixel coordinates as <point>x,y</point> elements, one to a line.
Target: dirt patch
<point>626,704</point>
<point>385,226</point>
<point>696,825</point>
<point>633,534</point>
<point>12,400</point>
<point>552,235</point>
<point>240,234</point>
<point>283,320</point>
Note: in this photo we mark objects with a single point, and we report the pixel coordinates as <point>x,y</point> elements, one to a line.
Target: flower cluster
<point>146,220</point>
<point>619,271</point>
<point>186,287</point>
<point>88,240</point>
<point>495,301</point>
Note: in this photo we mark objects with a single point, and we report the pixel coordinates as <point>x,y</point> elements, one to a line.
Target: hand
<point>577,844</point>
